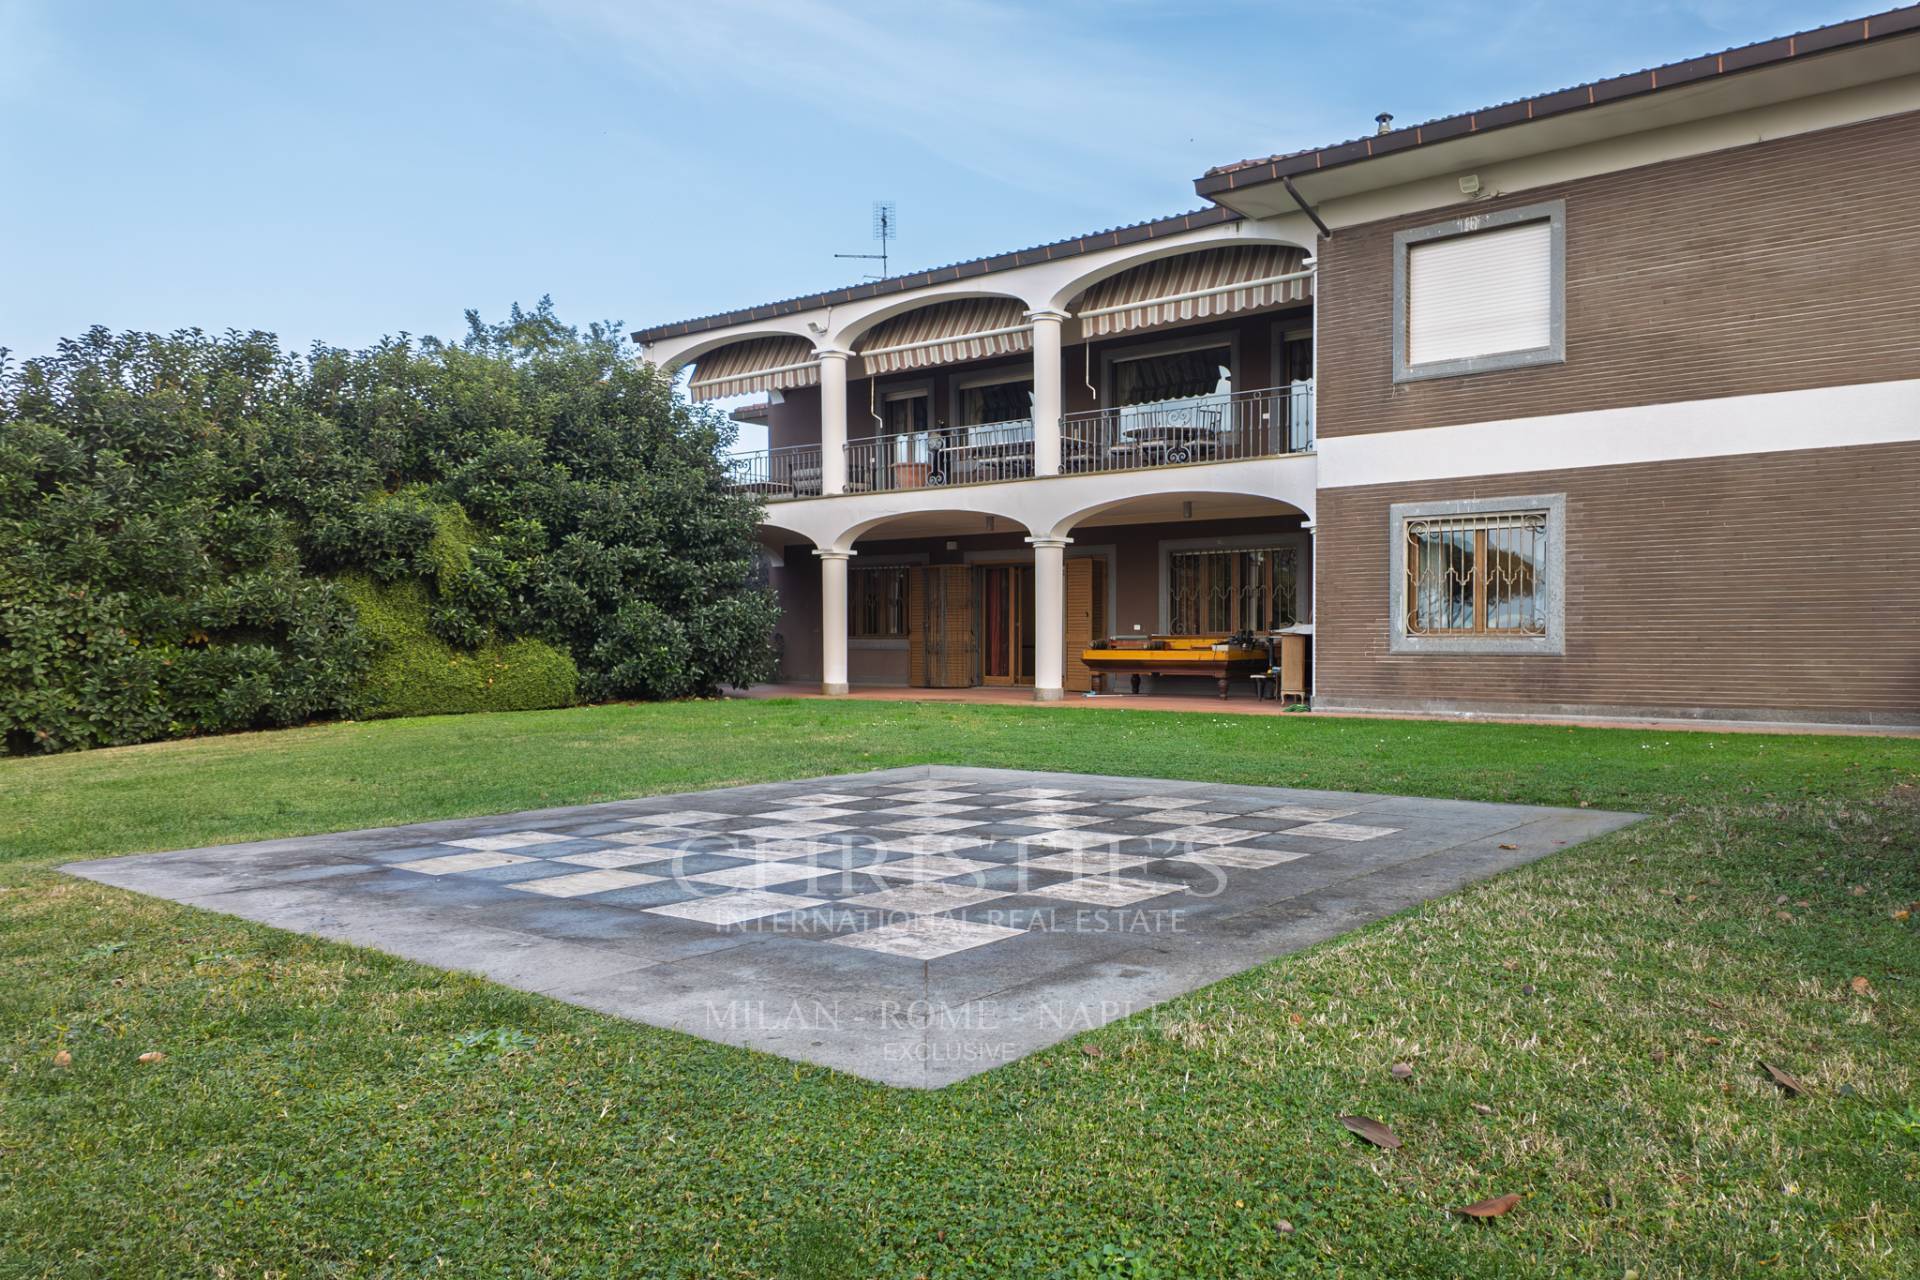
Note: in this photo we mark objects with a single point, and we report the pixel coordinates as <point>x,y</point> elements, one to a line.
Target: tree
<point>186,523</point>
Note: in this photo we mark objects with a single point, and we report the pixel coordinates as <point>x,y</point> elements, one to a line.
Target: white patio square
<point>1341,831</point>
<point>791,831</point>
<point>1071,840</point>
<point>757,875</point>
<point>511,840</point>
<point>931,826</point>
<point>1087,862</point>
<point>1206,835</point>
<point>1058,821</point>
<point>735,908</point>
<point>930,843</point>
<point>583,882</point>
<point>931,809</point>
<point>927,866</point>
<point>1241,856</point>
<point>922,899</point>
<point>808,813</point>
<point>678,818</point>
<point>612,859</point>
<point>927,937</point>
<point>1303,812</point>
<point>1109,891</point>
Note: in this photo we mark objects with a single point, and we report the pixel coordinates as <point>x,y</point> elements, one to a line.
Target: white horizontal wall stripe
<point>1776,422</point>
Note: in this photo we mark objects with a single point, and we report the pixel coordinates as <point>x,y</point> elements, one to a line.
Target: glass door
<point>1006,624</point>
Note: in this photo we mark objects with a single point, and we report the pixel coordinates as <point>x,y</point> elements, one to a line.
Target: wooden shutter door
<point>958,642</point>
<point>1082,582</point>
<point>916,627</point>
<point>940,641</point>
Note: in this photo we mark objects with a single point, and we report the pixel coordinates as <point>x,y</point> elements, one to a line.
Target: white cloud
<point>1000,89</point>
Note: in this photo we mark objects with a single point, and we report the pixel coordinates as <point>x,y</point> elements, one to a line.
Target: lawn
<point>1585,1032</point>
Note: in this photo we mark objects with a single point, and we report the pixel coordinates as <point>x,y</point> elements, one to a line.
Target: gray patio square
<point>1015,908</point>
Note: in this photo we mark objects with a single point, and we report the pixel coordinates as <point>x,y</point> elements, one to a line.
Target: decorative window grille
<point>1477,575</point>
<point>877,601</point>
<point>1223,592</point>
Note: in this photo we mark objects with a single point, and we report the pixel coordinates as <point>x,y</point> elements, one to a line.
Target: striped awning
<point>946,333</point>
<point>758,364</point>
<point>1193,286</point>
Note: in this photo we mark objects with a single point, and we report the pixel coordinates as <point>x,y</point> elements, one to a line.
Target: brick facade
<point>1784,264</point>
<point>1775,585</point>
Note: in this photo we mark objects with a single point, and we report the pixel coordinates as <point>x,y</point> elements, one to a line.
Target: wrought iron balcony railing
<point>1218,428</point>
<point>1270,422</point>
<point>776,474</point>
<point>947,455</point>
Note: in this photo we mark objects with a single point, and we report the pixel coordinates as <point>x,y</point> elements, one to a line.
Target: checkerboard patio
<point>1005,903</point>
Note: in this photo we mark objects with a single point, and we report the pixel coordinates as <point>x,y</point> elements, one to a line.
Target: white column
<point>833,425</point>
<point>833,620</point>
<point>1312,530</point>
<point>1049,617</point>
<point>1046,391</point>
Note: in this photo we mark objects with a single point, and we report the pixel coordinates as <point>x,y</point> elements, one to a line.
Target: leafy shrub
<point>201,534</point>
<point>415,673</point>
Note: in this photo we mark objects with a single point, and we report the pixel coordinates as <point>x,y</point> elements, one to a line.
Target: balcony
<point>1267,423</point>
<point>952,455</point>
<point>776,474</point>
<point>1271,422</point>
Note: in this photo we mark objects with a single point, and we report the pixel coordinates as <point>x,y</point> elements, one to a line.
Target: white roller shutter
<point>1482,294</point>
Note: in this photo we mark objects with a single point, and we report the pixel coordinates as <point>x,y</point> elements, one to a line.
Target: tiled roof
<point>1111,238</point>
<point>1856,31</point>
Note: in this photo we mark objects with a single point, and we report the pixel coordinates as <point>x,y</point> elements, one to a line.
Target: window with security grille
<point>1220,592</point>
<point>1477,575</point>
<point>877,602</point>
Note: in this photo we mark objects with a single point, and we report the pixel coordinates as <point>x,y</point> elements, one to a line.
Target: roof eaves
<point>1245,173</point>
<point>1111,238</point>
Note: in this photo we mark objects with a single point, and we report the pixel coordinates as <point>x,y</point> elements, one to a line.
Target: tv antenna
<point>885,225</point>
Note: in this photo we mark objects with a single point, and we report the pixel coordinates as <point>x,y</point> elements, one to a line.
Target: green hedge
<point>204,534</point>
<point>415,673</point>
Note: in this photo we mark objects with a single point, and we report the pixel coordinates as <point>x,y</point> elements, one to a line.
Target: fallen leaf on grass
<point>1494,1208</point>
<point>1372,1130</point>
<point>1482,1108</point>
<point>1784,1079</point>
<point>150,1058</point>
<point>63,1059</point>
<point>1092,1051</point>
<point>1401,1071</point>
<point>1861,987</point>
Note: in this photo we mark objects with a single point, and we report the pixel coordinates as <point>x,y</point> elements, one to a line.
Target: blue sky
<point>340,170</point>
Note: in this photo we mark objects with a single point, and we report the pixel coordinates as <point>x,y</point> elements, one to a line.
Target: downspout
<point>1313,601</point>
<point>1313,590</point>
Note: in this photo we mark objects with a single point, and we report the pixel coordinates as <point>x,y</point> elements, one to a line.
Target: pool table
<point>1173,656</point>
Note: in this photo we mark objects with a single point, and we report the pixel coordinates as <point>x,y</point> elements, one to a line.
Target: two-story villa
<point>1601,402</point>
